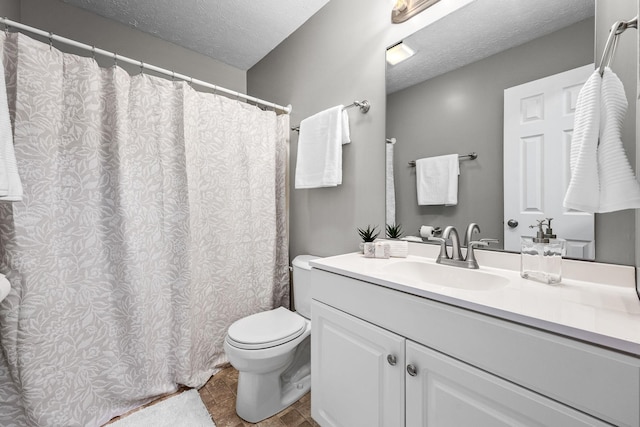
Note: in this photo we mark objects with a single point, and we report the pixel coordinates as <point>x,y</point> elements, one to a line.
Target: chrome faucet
<point>456,258</point>
<point>456,254</point>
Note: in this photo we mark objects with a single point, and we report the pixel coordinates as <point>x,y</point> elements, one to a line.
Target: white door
<point>444,392</point>
<point>357,371</point>
<point>538,124</point>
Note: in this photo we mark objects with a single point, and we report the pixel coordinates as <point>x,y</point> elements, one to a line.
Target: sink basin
<point>415,272</point>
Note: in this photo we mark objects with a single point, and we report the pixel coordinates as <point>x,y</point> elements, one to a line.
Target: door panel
<point>448,393</point>
<point>352,380</point>
<point>538,124</point>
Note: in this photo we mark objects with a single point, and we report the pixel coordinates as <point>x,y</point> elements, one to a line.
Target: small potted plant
<point>368,235</point>
<point>394,231</point>
<point>397,247</point>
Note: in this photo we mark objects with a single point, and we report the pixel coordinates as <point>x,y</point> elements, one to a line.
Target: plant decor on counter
<point>369,234</point>
<point>394,231</point>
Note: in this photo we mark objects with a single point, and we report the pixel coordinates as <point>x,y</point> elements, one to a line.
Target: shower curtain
<point>153,217</point>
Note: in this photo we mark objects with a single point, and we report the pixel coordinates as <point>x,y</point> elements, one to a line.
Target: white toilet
<point>271,351</point>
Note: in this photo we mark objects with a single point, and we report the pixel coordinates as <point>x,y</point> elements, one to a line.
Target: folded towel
<point>602,179</point>
<point>619,188</point>
<point>437,180</point>
<point>319,161</point>
<point>582,192</point>
<point>10,185</point>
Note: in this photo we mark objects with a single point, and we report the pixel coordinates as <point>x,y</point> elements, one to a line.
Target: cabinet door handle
<point>412,370</point>
<point>392,360</point>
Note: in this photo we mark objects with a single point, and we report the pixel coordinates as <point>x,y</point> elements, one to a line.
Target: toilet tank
<point>301,286</point>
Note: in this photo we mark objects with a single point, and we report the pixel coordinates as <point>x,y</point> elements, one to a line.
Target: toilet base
<point>261,396</point>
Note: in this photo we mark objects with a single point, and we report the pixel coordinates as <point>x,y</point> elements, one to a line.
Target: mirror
<point>448,98</point>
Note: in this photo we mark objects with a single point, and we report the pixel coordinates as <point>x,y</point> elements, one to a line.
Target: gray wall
<point>10,9</point>
<point>80,25</point>
<point>335,58</point>
<point>426,123</point>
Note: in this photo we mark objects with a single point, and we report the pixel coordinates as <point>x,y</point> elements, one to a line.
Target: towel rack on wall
<point>363,105</point>
<point>471,156</point>
<point>612,41</point>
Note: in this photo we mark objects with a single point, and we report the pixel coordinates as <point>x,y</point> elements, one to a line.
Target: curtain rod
<point>53,37</point>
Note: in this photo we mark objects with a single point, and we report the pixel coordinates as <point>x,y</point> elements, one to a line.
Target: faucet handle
<point>471,256</point>
<point>443,247</point>
<point>475,244</point>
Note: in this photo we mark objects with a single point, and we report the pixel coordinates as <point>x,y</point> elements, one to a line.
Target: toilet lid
<point>266,329</point>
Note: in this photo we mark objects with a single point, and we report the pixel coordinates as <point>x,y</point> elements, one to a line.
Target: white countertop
<point>606,313</point>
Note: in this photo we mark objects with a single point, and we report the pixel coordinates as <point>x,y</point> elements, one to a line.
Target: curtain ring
<point>93,52</point>
<point>141,67</point>
<point>173,76</point>
<point>215,89</point>
<point>191,82</point>
<point>115,59</point>
<point>6,27</point>
<point>50,40</point>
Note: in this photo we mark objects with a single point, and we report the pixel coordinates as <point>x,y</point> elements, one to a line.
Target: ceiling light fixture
<point>398,53</point>
<point>405,9</point>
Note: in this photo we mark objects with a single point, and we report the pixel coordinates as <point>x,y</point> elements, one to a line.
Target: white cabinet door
<point>538,125</point>
<point>353,382</point>
<point>448,393</point>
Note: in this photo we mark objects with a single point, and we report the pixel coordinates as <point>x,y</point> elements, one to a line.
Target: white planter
<point>369,249</point>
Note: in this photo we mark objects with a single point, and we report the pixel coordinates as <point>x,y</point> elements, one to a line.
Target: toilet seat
<point>266,329</point>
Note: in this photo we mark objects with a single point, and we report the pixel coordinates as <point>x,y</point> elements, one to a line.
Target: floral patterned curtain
<point>153,217</point>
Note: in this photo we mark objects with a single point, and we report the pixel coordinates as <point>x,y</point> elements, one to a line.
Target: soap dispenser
<point>541,256</point>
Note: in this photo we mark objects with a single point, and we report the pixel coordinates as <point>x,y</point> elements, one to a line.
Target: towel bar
<point>612,42</point>
<point>363,105</point>
<point>470,156</point>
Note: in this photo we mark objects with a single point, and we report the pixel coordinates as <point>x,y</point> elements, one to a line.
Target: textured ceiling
<point>237,32</point>
<point>481,29</point>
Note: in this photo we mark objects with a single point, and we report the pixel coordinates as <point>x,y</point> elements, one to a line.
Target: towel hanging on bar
<point>363,105</point>
<point>471,156</point>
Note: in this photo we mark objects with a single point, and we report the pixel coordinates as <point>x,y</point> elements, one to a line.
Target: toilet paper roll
<point>426,231</point>
<point>5,287</point>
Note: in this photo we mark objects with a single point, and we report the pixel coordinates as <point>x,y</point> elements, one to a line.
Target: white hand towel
<point>619,188</point>
<point>319,161</point>
<point>437,180</point>
<point>10,185</point>
<point>582,192</point>
<point>346,132</point>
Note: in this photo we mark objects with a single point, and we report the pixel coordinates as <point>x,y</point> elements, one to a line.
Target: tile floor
<point>219,396</point>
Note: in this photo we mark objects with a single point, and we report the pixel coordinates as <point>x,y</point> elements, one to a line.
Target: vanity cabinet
<point>381,357</point>
<point>363,375</point>
<point>360,369</point>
